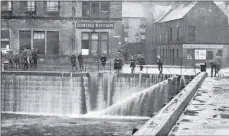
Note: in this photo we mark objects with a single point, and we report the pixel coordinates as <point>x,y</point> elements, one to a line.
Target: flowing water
<point>92,103</point>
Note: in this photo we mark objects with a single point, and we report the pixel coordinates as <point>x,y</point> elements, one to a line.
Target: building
<point>59,28</point>
<point>192,33</point>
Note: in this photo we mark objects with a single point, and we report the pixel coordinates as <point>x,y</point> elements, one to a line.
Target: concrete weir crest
<point>165,119</point>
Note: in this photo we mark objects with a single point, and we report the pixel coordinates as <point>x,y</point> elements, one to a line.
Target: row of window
<point>93,43</point>
<point>50,47</point>
<point>169,53</point>
<point>191,34</point>
<point>95,10</point>
<point>30,6</point>
<point>201,54</point>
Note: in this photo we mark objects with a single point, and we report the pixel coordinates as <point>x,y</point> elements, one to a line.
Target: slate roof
<point>178,13</point>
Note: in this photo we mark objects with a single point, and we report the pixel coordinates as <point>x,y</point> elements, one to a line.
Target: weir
<point>74,94</point>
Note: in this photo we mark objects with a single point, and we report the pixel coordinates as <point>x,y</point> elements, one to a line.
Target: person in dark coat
<point>103,60</point>
<point>16,59</point>
<point>25,59</point>
<point>73,61</point>
<point>80,60</point>
<point>215,65</point>
<point>118,64</point>
<point>159,64</point>
<point>34,57</point>
<point>132,64</point>
<point>141,61</point>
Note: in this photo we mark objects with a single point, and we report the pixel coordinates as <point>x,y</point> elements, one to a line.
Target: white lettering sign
<point>95,25</point>
<point>192,46</point>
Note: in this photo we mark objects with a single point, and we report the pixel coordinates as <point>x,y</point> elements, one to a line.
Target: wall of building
<point>61,21</point>
<point>211,28</point>
<point>210,22</point>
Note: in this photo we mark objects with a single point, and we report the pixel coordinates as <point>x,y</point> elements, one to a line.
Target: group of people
<point>215,65</point>
<point>25,59</point>
<point>80,61</point>
<point>141,61</point>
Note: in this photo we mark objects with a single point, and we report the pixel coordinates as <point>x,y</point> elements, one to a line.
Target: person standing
<point>103,60</point>
<point>118,65</point>
<point>34,57</point>
<point>132,64</point>
<point>80,60</point>
<point>141,61</point>
<point>216,65</point>
<point>73,61</point>
<point>159,64</point>
<point>25,59</point>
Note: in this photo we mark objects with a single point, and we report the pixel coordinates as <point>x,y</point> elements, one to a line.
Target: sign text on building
<point>95,25</point>
<point>202,46</point>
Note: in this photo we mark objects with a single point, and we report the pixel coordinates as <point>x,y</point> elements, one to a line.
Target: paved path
<point>203,114</point>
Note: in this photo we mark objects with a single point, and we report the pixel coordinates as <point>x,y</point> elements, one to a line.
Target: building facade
<point>192,33</point>
<point>62,28</point>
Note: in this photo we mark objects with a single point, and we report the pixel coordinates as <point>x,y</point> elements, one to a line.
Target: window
<point>178,33</point>
<point>191,33</point>
<point>95,43</point>
<point>160,38</point>
<point>104,43</point>
<point>27,6</point>
<point>125,23</point>
<point>200,54</point>
<point>86,9</point>
<point>95,10</point>
<point>5,39</point>
<point>85,43</point>
<point>39,41</point>
<point>166,38</point>
<point>143,23</point>
<point>210,55</point>
<point>220,53</point>
<point>173,53</point>
<point>52,42</point>
<point>189,53</point>
<point>24,39</point>
<point>177,53</point>
<point>163,52</point>
<point>171,33</point>
<point>105,6</point>
<point>52,6</point>
<point>38,35</point>
<point>6,6</point>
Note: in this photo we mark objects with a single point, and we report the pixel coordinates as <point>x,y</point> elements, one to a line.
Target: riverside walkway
<point>208,111</point>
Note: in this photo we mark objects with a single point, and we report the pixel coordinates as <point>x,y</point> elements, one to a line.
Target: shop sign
<point>203,46</point>
<point>95,25</point>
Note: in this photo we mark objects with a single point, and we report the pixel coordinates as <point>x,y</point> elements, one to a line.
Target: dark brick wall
<point>41,21</point>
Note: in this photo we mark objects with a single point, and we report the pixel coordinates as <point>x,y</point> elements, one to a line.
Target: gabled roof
<point>178,13</point>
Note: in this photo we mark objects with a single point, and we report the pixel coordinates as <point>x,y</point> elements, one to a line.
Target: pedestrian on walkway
<point>80,60</point>
<point>35,57</point>
<point>73,61</point>
<point>132,64</point>
<point>25,59</point>
<point>159,64</point>
<point>118,65</point>
<point>215,65</point>
<point>141,61</point>
<point>29,57</point>
<point>16,59</point>
<point>103,60</point>
<point>120,56</point>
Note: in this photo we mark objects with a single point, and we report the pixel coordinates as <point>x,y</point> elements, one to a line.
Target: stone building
<point>193,33</point>
<point>62,28</point>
